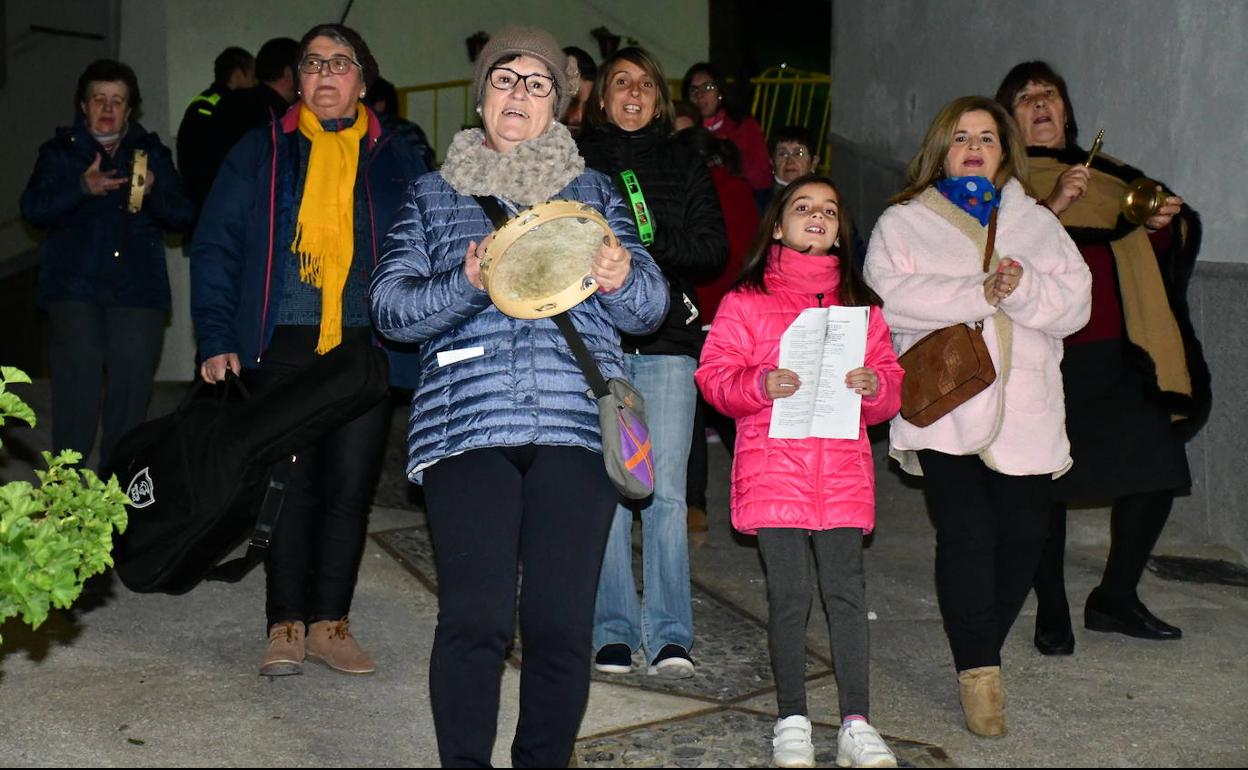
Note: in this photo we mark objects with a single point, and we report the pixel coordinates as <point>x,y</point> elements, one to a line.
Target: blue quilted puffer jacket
<point>525,387</point>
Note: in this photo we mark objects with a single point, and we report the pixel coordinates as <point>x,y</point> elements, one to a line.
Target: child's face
<point>810,221</point>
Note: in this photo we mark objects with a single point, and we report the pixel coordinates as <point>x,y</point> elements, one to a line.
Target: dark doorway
<point>747,37</point>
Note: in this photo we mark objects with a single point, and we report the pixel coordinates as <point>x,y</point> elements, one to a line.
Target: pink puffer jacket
<point>814,483</point>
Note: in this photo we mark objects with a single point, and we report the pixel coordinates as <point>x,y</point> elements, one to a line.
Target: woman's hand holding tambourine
<point>611,267</point>
<point>472,261</point>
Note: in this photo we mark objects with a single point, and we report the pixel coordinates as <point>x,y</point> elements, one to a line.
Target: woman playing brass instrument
<point>1136,383</point>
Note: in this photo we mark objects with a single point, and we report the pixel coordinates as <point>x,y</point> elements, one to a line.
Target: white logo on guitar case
<point>141,491</point>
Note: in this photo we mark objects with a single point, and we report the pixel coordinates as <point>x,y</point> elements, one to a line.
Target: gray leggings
<point>838,555</point>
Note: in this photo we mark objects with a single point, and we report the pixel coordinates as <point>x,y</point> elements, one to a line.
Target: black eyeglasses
<point>339,65</point>
<point>505,79</point>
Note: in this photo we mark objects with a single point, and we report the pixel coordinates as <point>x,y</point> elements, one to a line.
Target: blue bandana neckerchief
<point>973,194</point>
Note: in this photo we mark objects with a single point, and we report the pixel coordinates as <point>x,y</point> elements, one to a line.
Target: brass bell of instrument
<point>1142,200</point>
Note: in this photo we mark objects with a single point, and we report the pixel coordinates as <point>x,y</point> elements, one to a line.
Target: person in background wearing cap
<point>504,434</point>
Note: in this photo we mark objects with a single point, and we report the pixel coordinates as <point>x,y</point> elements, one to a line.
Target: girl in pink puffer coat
<point>795,493</point>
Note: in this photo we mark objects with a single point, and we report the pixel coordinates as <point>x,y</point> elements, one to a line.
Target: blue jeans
<point>665,615</point>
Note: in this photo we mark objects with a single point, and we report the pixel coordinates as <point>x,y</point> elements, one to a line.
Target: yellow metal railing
<point>433,123</point>
<point>783,96</point>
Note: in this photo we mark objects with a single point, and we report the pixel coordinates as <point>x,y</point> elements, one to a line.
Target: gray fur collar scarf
<point>531,173</point>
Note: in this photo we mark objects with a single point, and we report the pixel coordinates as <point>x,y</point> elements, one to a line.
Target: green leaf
<point>12,406</point>
<point>11,374</point>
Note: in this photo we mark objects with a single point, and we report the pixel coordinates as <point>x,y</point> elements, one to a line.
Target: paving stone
<point>726,737</point>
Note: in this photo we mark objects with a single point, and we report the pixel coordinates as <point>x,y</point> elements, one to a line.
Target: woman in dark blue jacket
<point>280,267</point>
<point>102,277</point>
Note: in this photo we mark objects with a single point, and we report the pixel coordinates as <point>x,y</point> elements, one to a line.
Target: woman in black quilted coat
<point>631,118</point>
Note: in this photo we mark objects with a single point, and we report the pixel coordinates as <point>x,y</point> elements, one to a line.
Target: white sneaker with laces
<point>859,745</point>
<point>791,746</point>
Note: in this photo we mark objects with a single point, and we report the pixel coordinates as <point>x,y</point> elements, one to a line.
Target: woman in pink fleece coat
<point>988,464</point>
<point>794,493</point>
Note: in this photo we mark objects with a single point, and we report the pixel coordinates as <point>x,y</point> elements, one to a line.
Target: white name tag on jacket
<point>448,357</point>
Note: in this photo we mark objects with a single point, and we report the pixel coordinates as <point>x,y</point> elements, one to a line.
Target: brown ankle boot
<point>983,700</point>
<point>284,655</point>
<point>330,642</point>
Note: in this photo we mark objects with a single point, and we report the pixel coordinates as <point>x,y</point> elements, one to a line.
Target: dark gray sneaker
<point>614,659</point>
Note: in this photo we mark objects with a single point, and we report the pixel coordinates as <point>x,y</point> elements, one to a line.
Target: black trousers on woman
<point>1135,524</point>
<point>547,510</point>
<point>314,558</point>
<point>990,529</point>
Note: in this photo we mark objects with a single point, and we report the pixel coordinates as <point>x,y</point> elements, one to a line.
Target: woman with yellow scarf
<point>1137,386</point>
<point>280,267</point>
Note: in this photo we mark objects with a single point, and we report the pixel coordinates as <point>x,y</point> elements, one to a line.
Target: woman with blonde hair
<point>988,464</point>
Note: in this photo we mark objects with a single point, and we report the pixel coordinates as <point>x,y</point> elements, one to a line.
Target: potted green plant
<point>56,535</point>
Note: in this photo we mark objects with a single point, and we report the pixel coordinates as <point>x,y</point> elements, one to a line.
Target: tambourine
<point>138,180</point>
<point>539,262</point>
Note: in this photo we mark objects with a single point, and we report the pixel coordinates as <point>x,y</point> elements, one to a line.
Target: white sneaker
<point>859,745</point>
<point>792,747</point>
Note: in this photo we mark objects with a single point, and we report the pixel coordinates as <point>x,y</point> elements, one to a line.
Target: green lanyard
<point>637,202</point>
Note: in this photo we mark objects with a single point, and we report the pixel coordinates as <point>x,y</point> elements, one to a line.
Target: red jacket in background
<point>736,200</point>
<point>747,135</point>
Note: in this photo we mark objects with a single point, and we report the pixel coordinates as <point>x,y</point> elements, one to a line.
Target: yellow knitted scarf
<point>325,230</point>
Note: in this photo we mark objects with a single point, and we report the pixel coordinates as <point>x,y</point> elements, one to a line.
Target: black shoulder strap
<point>583,357</point>
<point>270,511</point>
<point>493,209</point>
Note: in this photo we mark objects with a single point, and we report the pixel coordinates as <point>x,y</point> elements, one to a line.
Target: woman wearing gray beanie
<point>506,440</point>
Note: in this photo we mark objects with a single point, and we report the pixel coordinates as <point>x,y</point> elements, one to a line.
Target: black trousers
<point>314,558</point>
<point>1136,522</point>
<point>990,529</point>
<point>491,511</point>
<point>98,347</point>
<point>697,468</point>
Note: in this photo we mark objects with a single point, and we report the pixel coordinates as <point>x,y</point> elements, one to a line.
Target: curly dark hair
<point>108,71</point>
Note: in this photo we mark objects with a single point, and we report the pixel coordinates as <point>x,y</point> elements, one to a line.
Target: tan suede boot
<point>983,700</point>
<point>330,642</point>
<point>284,655</point>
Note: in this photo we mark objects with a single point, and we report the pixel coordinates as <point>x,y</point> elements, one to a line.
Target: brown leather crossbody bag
<point>948,367</point>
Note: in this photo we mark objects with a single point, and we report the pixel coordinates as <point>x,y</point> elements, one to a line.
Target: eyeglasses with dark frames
<point>339,65</point>
<point>505,79</point>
